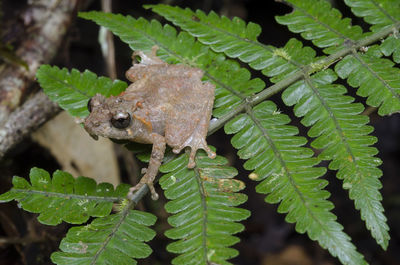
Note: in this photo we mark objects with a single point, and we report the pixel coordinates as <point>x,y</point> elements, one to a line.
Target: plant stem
<point>307,69</point>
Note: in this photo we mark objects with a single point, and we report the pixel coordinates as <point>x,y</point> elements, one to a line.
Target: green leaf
<point>316,20</point>
<point>115,239</point>
<point>341,132</point>
<point>203,204</point>
<point>142,35</point>
<point>381,14</point>
<point>287,169</point>
<point>375,78</point>
<point>72,90</point>
<point>63,198</point>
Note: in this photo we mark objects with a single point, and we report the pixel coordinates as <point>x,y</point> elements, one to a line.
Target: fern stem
<point>138,195</point>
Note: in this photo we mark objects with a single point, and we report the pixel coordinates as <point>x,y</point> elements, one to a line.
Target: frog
<point>166,104</point>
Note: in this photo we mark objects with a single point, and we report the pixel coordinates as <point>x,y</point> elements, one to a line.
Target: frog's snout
<point>89,126</point>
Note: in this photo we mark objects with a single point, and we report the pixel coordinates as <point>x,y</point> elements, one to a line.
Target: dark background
<point>268,239</point>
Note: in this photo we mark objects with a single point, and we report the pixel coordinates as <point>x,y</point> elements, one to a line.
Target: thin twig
<point>106,40</point>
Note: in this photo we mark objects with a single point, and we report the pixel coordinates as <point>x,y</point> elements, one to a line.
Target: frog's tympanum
<point>165,104</point>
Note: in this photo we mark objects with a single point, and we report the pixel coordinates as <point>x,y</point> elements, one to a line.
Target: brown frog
<point>165,104</point>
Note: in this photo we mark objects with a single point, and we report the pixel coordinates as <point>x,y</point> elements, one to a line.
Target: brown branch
<point>30,116</point>
<point>46,25</point>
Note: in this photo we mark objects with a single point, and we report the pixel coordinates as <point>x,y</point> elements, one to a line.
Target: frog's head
<point>109,117</point>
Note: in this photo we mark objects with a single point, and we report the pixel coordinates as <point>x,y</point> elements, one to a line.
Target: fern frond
<point>203,204</point>
<point>375,77</point>
<point>238,40</point>
<point>317,21</point>
<point>142,35</point>
<point>286,168</point>
<point>72,90</point>
<point>380,15</point>
<point>63,198</point>
<point>327,29</point>
<point>341,132</point>
<point>116,239</point>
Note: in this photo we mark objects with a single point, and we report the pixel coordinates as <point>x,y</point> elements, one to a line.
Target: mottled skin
<point>165,104</point>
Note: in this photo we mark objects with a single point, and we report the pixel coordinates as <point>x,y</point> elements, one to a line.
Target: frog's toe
<point>201,145</point>
<point>138,186</point>
<point>192,163</point>
<point>177,150</point>
<point>210,153</point>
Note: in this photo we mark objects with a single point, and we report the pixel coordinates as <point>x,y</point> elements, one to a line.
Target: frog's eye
<point>89,105</point>
<point>121,121</point>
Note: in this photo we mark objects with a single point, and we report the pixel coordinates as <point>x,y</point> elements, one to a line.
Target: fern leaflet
<point>72,90</point>
<point>202,203</point>
<point>63,198</point>
<point>275,153</point>
<point>380,14</point>
<point>316,20</point>
<point>375,77</point>
<point>391,45</point>
<point>115,239</point>
<point>342,134</point>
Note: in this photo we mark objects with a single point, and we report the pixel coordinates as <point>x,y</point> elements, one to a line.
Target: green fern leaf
<point>142,35</point>
<point>382,14</point>
<point>375,77</point>
<point>391,45</point>
<point>63,198</point>
<point>72,90</point>
<point>342,134</point>
<point>238,40</point>
<point>316,20</point>
<point>275,153</point>
<point>116,239</point>
<point>202,203</point>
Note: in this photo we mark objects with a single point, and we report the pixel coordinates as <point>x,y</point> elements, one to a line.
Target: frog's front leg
<point>157,155</point>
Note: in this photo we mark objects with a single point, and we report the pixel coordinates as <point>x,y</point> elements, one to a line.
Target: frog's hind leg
<point>189,125</point>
